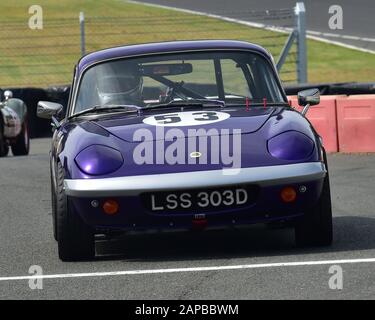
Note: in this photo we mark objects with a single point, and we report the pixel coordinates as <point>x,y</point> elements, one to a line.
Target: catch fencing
<point>43,58</point>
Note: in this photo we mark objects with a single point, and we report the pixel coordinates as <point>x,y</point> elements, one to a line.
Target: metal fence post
<point>300,12</point>
<point>82,28</point>
<point>285,51</point>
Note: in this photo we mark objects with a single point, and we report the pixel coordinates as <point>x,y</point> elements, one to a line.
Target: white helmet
<point>8,94</point>
<point>120,85</point>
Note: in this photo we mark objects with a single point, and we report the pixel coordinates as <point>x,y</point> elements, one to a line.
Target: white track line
<point>192,269</point>
<point>314,35</point>
<point>340,44</point>
<point>342,36</point>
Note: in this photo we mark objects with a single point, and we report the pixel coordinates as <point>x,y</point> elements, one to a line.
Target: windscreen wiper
<point>99,109</point>
<point>205,103</point>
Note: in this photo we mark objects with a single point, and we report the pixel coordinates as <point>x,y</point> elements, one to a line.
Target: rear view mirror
<point>47,110</point>
<point>307,98</point>
<point>167,69</point>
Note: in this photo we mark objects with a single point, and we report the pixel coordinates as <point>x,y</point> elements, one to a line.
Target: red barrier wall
<point>356,123</point>
<point>323,118</point>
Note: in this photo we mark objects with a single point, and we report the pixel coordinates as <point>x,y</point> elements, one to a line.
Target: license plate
<point>199,200</point>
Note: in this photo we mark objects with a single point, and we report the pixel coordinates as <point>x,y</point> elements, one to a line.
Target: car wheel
<point>53,201</point>
<point>75,239</point>
<point>315,228</point>
<point>4,148</point>
<point>22,145</point>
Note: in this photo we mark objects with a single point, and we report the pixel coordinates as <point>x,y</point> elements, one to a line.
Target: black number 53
<point>175,118</point>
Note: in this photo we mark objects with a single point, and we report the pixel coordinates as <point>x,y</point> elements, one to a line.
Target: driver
<point>119,83</point>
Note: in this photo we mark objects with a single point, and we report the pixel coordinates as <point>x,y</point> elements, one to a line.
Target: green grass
<point>331,63</point>
<point>46,57</point>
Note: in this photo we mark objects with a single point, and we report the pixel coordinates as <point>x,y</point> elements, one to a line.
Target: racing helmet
<point>119,82</point>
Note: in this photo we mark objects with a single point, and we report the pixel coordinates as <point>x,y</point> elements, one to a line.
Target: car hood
<point>125,126</point>
<point>116,130</point>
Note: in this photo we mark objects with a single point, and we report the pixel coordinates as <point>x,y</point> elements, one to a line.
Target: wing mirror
<point>307,98</point>
<point>47,110</point>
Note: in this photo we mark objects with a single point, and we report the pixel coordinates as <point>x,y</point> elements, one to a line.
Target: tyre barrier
<point>356,123</point>
<point>346,123</point>
<point>323,119</point>
<point>346,88</point>
<point>59,95</point>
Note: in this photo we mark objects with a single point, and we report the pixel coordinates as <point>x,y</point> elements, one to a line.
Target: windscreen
<point>232,77</point>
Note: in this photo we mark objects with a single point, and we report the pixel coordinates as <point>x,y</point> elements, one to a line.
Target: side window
<point>234,79</point>
<point>68,106</point>
<point>87,91</point>
<point>266,85</point>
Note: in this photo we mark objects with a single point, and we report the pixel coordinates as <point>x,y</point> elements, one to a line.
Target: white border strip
<point>192,269</point>
<point>340,44</point>
<point>314,35</point>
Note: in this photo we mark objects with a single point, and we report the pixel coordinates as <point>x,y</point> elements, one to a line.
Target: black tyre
<point>53,201</point>
<point>22,145</point>
<point>315,229</point>
<point>75,239</point>
<point>4,148</point>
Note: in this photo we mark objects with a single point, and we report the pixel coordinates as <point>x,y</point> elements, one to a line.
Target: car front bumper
<point>134,216</point>
<point>135,185</point>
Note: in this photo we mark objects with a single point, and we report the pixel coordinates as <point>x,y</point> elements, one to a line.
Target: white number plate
<point>177,201</point>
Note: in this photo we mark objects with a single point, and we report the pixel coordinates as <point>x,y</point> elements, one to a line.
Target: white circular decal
<point>188,118</point>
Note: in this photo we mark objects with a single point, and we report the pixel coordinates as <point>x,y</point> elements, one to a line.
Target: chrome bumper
<point>135,185</point>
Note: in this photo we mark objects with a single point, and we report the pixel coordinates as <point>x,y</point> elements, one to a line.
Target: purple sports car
<point>187,135</point>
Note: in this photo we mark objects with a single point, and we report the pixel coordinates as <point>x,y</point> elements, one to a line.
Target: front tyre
<point>4,148</point>
<point>22,145</point>
<point>53,202</point>
<point>315,229</point>
<point>75,239</point>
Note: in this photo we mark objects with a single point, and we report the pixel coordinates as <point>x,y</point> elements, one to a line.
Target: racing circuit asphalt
<point>357,16</point>
<point>26,239</point>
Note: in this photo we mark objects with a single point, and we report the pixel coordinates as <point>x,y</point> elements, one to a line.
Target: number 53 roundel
<point>189,118</point>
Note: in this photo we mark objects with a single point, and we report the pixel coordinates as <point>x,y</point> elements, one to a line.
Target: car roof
<point>164,47</point>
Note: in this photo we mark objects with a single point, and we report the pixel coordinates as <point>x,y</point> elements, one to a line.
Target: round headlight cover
<point>291,145</point>
<point>99,160</point>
